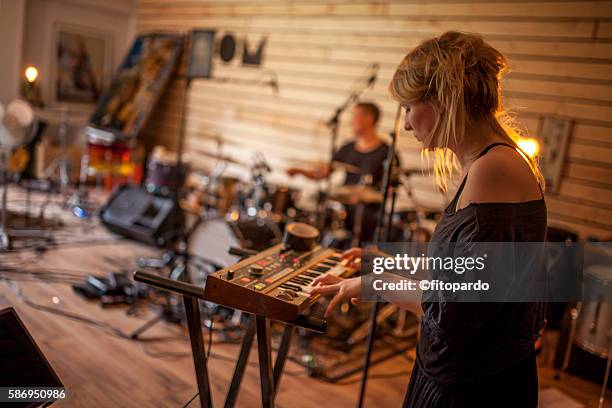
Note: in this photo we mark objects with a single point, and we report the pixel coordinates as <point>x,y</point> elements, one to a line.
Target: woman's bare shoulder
<point>501,175</point>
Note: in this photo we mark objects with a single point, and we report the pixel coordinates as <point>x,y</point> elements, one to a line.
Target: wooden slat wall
<point>560,53</point>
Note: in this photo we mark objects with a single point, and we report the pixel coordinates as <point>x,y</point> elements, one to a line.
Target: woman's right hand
<point>353,259</point>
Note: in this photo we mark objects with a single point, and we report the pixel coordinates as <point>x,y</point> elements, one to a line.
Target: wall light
<point>529,145</point>
<point>31,73</point>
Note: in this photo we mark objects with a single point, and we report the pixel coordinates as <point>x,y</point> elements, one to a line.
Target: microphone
<point>373,74</point>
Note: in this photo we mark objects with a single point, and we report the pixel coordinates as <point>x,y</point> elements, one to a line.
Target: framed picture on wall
<point>200,57</point>
<point>554,135</point>
<point>82,63</point>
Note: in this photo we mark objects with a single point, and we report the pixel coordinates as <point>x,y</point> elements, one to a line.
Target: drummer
<point>366,153</point>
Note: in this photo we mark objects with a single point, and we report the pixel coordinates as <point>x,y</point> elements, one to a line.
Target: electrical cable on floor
<point>68,244</point>
<point>109,329</point>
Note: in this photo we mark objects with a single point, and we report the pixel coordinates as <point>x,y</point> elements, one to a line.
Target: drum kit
<point>591,321</point>
<point>220,195</point>
<point>253,213</point>
<point>225,211</point>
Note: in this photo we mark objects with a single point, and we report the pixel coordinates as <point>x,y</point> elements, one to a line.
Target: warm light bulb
<point>31,73</point>
<point>530,146</point>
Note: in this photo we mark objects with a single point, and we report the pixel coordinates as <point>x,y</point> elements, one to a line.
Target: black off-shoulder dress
<point>480,354</point>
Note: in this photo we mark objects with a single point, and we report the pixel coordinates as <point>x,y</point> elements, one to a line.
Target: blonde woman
<point>469,354</point>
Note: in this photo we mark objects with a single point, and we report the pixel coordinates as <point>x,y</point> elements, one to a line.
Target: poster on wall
<point>82,63</point>
<point>125,105</point>
<point>554,138</point>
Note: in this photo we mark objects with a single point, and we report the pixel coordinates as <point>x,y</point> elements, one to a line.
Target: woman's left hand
<point>344,289</point>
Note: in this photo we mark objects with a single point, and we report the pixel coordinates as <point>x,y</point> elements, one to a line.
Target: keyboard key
<point>291,287</point>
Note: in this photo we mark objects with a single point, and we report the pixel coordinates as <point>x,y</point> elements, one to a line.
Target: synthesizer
<point>276,282</point>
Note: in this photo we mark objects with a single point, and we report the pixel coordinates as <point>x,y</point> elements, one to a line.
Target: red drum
<point>114,158</point>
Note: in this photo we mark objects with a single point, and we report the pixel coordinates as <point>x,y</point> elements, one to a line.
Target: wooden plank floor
<point>103,370</point>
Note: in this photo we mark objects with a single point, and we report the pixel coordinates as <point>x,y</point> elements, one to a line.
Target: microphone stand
<point>387,182</point>
<point>333,125</point>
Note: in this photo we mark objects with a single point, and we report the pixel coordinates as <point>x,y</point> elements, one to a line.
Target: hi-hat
<point>350,168</point>
<point>352,194</point>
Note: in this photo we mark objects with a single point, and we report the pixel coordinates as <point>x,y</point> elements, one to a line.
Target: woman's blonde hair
<point>460,75</point>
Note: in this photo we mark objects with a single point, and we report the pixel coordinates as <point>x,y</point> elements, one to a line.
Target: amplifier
<point>135,213</point>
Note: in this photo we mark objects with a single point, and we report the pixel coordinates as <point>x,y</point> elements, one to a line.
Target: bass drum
<point>211,240</point>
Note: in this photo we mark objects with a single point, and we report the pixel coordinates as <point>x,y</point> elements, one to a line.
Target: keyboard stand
<point>190,295</point>
<point>269,375</point>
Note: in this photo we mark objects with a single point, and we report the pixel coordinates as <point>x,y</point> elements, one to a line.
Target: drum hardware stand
<point>180,272</point>
<point>604,385</point>
<point>59,166</point>
<point>359,212</point>
<point>357,224</point>
<point>389,165</point>
<point>258,176</point>
<point>574,313</point>
<point>333,124</point>
<point>270,375</point>
<point>80,198</point>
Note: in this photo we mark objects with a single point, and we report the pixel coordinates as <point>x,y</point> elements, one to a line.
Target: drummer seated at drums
<point>365,155</point>
<point>363,160</point>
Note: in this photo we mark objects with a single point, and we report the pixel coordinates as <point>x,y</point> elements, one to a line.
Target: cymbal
<point>220,157</point>
<point>335,164</point>
<point>353,194</point>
